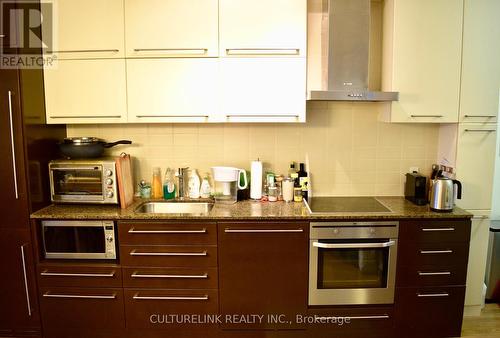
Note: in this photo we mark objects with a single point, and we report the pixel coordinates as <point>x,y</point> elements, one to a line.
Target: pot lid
<point>82,140</point>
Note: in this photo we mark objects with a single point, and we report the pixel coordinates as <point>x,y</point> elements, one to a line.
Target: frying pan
<point>86,147</point>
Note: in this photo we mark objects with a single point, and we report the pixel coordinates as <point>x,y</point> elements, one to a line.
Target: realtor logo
<point>24,43</point>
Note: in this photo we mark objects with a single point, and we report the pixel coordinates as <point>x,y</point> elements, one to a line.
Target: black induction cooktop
<point>326,205</point>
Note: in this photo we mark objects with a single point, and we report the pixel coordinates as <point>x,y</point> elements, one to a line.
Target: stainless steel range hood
<point>345,46</point>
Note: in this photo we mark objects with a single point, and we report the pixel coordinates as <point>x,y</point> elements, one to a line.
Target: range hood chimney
<point>345,46</point>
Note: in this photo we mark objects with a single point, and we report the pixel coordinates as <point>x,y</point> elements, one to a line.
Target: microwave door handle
<point>353,245</point>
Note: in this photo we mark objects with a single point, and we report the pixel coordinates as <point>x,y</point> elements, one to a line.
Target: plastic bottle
<point>156,186</point>
<point>194,184</point>
<point>169,185</point>
<point>205,189</point>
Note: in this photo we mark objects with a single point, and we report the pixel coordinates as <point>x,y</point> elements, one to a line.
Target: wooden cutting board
<point>125,181</point>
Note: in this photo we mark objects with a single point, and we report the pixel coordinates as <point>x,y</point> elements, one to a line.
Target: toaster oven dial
<point>110,194</point>
<point>109,181</point>
<point>109,172</point>
<point>110,239</point>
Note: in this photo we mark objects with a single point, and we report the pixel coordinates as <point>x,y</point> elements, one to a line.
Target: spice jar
<point>272,194</point>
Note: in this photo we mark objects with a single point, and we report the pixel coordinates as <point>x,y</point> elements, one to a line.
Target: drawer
<point>150,308</point>
<point>79,276</point>
<point>82,308</point>
<point>178,233</point>
<point>170,278</point>
<point>171,256</point>
<point>432,255</point>
<point>452,275</point>
<point>435,231</point>
<point>429,312</point>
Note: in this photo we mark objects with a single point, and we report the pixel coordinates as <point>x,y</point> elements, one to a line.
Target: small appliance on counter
<point>416,188</point>
<point>443,194</point>
<point>227,183</point>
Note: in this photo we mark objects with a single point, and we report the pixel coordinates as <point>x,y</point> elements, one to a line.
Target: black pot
<point>86,147</point>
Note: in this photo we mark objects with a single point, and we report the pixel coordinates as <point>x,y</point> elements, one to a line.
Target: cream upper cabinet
<point>422,59</point>
<point>481,61</point>
<point>263,27</point>
<point>263,90</point>
<point>172,90</point>
<point>171,28</point>
<point>475,164</point>
<point>86,91</point>
<point>88,29</point>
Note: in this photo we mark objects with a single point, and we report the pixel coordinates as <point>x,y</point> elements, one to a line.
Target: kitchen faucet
<point>182,175</point>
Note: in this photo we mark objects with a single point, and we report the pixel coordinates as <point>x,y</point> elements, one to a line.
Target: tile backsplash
<point>350,152</point>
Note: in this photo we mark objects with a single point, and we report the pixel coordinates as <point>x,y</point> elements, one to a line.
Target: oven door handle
<point>353,245</point>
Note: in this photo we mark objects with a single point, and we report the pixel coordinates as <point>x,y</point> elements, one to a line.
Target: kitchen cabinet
<point>480,86</point>
<point>172,90</point>
<point>475,165</point>
<point>263,89</point>
<point>422,50</point>
<point>171,28</point>
<point>90,29</point>
<point>86,91</point>
<point>263,270</point>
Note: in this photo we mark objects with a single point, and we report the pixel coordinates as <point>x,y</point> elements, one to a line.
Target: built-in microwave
<point>79,239</point>
<point>83,181</point>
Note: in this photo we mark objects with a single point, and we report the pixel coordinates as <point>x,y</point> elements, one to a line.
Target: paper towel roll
<point>256,180</point>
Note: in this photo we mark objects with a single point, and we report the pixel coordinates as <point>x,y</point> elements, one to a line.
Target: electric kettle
<point>443,195</point>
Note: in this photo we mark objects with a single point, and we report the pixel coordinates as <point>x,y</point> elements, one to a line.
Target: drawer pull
<point>437,229</point>
<point>169,297</point>
<point>187,51</point>
<point>355,317</point>
<point>86,117</point>
<point>55,295</point>
<point>201,231</point>
<point>138,275</point>
<point>427,116</point>
<point>86,51</point>
<point>262,51</point>
<point>423,295</point>
<point>257,231</point>
<point>60,274</point>
<point>481,130</point>
<point>135,253</point>
<point>485,116</point>
<point>442,273</point>
<point>430,252</point>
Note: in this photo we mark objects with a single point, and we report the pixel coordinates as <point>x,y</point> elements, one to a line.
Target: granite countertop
<point>246,210</point>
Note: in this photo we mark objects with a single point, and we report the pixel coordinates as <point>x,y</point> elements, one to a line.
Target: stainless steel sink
<point>191,208</point>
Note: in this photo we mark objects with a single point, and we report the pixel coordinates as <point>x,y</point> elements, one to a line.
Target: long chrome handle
<point>485,116</point>
<point>56,295</point>
<point>61,274</point>
<point>201,231</point>
<point>444,294</point>
<point>2,36</point>
<point>426,115</point>
<point>174,116</point>
<point>429,252</point>
<point>138,275</point>
<point>354,317</point>
<point>353,245</point>
<point>257,231</point>
<point>262,51</point>
<point>194,51</point>
<point>443,273</point>
<point>86,117</point>
<point>86,51</point>
<point>12,145</point>
<point>437,229</point>
<point>169,298</point>
<point>266,116</point>
<point>25,278</point>
<point>481,130</point>
<point>135,253</point>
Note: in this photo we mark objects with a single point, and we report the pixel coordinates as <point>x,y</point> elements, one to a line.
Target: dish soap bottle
<point>194,184</point>
<point>169,185</point>
<point>156,186</point>
<point>205,187</point>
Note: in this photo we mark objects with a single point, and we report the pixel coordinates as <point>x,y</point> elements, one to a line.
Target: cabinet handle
<point>258,231</point>
<point>2,36</point>
<point>443,273</point>
<point>55,295</point>
<point>437,229</point>
<point>355,317</point>
<point>60,274</point>
<point>423,295</point>
<point>426,115</point>
<point>169,298</point>
<point>133,231</point>
<point>86,117</point>
<point>194,51</point>
<point>480,217</point>
<point>256,115</point>
<point>262,51</point>
<point>480,130</point>
<point>174,116</point>
<point>135,253</point>
<point>486,116</point>
<point>25,278</point>
<point>353,245</point>
<point>12,145</point>
<point>138,275</point>
<point>429,252</point>
<point>86,51</point>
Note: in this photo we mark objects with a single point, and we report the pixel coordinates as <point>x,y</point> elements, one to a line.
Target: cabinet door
<point>263,89</point>
<point>475,165</point>
<point>263,270</point>
<point>171,28</point>
<point>87,29</point>
<point>263,27</point>
<point>19,308</point>
<point>14,201</point>
<point>423,58</point>
<point>86,91</point>
<point>171,90</point>
<point>480,67</point>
